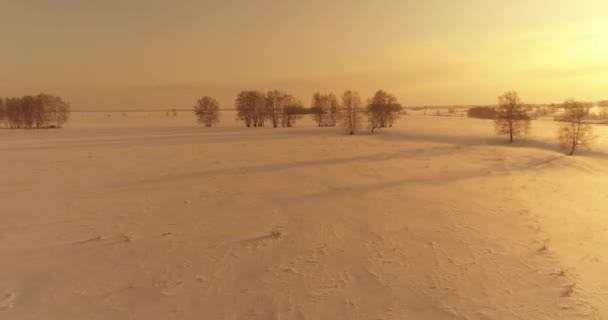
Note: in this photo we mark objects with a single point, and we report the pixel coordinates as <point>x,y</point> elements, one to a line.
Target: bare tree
<point>40,114</point>
<point>62,111</point>
<point>2,111</point>
<point>511,117</point>
<point>56,111</point>
<point>574,132</point>
<point>325,109</point>
<point>14,113</point>
<point>251,108</point>
<point>29,107</point>
<point>317,109</point>
<point>351,111</point>
<point>46,110</point>
<point>41,111</point>
<point>244,108</point>
<point>207,111</point>
<point>334,110</point>
<point>291,114</point>
<point>276,106</point>
<point>382,110</point>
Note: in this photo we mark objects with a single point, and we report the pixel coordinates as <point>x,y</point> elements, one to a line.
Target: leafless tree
<point>334,109</point>
<point>291,114</point>
<point>14,113</point>
<point>251,108</point>
<point>511,117</point>
<point>275,106</point>
<point>245,107</point>
<point>29,104</point>
<point>574,131</point>
<point>277,103</point>
<point>41,111</point>
<point>207,111</point>
<point>318,109</point>
<point>351,112</point>
<point>62,111</point>
<point>41,114</point>
<point>325,109</point>
<point>56,111</point>
<point>2,111</point>
<point>382,110</point>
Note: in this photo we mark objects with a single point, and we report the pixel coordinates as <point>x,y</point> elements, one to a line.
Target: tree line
<point>34,112</point>
<point>382,110</point>
<point>279,109</point>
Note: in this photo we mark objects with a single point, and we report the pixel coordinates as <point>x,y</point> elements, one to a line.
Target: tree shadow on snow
<point>272,167</point>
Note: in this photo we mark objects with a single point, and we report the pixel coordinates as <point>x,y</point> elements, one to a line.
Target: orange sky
<point>152,54</point>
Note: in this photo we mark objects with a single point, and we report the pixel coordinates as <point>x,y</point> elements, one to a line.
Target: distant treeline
<point>34,112</point>
<point>482,112</point>
<point>277,108</point>
<point>537,111</point>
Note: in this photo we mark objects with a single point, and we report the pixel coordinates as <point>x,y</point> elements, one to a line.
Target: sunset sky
<point>152,54</point>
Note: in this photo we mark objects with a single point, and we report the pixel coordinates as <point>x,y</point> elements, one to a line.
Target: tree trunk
<point>574,142</point>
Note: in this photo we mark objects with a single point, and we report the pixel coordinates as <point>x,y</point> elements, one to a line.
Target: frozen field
<point>143,216</point>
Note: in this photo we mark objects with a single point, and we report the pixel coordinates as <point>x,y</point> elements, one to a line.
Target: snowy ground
<point>143,216</point>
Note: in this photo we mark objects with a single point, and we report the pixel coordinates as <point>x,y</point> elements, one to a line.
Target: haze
<point>303,160</point>
<point>139,54</point>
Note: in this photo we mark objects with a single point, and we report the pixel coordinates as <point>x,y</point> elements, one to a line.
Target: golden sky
<point>153,54</point>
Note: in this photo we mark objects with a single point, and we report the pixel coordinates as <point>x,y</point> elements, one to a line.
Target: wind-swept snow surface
<point>143,216</point>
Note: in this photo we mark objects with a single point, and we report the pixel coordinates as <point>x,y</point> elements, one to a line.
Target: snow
<point>144,216</point>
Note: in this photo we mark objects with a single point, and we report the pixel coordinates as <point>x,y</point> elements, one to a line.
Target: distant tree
<point>276,107</point>
<point>325,109</point>
<point>2,111</point>
<point>574,132</point>
<point>317,109</point>
<point>29,105</point>
<point>383,110</point>
<point>41,105</point>
<point>56,111</point>
<point>14,113</point>
<point>334,110</point>
<point>351,112</point>
<point>251,108</point>
<point>292,113</point>
<point>511,117</point>
<point>603,105</point>
<point>207,111</point>
<point>482,113</point>
<point>174,112</point>
<point>244,107</point>
<point>41,111</point>
<point>61,111</point>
